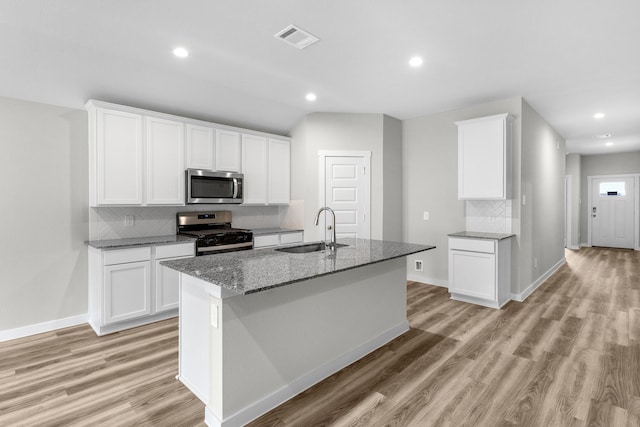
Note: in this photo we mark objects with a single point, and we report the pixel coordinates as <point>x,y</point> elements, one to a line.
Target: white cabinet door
<point>473,274</point>
<point>254,165</point>
<point>484,158</point>
<point>127,291</point>
<point>118,158</point>
<point>165,162</point>
<point>266,240</point>
<point>279,190</point>
<point>200,147</point>
<point>228,151</point>
<point>167,287</point>
<point>167,280</point>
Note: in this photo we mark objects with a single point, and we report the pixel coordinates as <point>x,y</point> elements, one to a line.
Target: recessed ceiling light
<point>311,97</point>
<point>416,61</point>
<point>609,144</point>
<point>181,52</point>
<point>598,115</point>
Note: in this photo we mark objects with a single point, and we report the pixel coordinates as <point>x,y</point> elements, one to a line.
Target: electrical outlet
<point>418,265</point>
<point>129,220</point>
<point>535,262</point>
<point>425,215</point>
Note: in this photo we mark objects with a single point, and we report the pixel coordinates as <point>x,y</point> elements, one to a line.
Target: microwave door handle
<point>235,188</point>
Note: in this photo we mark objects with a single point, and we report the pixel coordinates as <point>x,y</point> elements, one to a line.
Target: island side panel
<point>196,337</point>
<point>279,342</point>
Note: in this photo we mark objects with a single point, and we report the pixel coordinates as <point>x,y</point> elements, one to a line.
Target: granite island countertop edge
<point>227,270</point>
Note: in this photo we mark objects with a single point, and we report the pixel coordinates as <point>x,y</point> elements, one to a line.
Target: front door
<point>347,187</point>
<point>612,211</point>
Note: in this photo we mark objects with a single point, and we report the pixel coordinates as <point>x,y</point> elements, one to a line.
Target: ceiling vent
<point>296,36</point>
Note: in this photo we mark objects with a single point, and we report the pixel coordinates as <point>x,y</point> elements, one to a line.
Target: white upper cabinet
<point>279,167</point>
<point>228,151</point>
<point>138,157</point>
<point>254,165</point>
<point>115,167</point>
<point>200,147</point>
<point>165,162</point>
<point>484,158</point>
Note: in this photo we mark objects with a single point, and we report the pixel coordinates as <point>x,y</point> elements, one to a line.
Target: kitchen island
<point>258,327</point>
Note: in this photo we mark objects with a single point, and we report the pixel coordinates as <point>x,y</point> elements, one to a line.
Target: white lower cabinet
<point>480,271</point>
<point>277,239</point>
<point>167,280</point>
<point>125,291</point>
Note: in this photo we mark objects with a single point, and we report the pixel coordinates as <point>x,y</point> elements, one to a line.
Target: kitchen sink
<point>309,247</point>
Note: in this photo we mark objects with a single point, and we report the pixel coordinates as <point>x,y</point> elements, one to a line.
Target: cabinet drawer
<point>268,240</point>
<point>473,245</point>
<point>172,251</point>
<point>290,238</point>
<point>122,256</point>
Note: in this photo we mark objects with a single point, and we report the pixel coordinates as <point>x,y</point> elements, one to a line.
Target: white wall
<point>392,179</point>
<point>430,183</point>
<point>542,182</point>
<point>44,193</point>
<point>346,132</point>
<point>603,164</point>
<point>573,171</point>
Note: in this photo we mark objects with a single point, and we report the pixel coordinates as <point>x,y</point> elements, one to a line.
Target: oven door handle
<point>225,247</point>
<point>235,188</point>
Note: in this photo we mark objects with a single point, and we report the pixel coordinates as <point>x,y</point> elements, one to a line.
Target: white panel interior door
<point>612,211</point>
<point>347,187</point>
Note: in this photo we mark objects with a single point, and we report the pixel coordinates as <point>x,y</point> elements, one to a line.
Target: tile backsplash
<point>491,216</point>
<point>109,222</point>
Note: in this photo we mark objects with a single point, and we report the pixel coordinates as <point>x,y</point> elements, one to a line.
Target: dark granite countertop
<point>275,230</point>
<point>481,235</point>
<point>139,241</point>
<point>247,272</point>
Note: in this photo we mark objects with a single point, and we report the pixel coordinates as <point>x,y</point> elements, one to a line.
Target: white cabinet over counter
<point>139,157</point>
<point>484,158</point>
<point>115,157</point>
<point>165,161</point>
<point>200,147</point>
<point>266,165</point>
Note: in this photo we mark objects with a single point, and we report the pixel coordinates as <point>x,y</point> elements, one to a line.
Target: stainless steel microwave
<point>210,187</point>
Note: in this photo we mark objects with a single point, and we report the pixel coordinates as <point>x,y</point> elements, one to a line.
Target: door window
<point>612,189</point>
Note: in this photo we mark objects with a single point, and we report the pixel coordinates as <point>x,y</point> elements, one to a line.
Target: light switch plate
<point>425,215</point>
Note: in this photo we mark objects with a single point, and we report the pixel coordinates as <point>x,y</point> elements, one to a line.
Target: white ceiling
<point>569,59</point>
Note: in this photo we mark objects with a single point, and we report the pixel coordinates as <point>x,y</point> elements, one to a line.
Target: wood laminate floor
<point>568,356</point>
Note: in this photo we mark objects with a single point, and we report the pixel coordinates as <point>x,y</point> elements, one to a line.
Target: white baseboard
<point>535,285</point>
<point>280,396</point>
<point>413,277</point>
<point>574,248</point>
<point>52,325</point>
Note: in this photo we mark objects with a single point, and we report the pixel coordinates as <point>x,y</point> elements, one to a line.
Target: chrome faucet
<point>332,246</point>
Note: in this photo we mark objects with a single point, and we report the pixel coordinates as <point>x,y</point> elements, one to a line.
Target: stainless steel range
<point>213,232</point>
